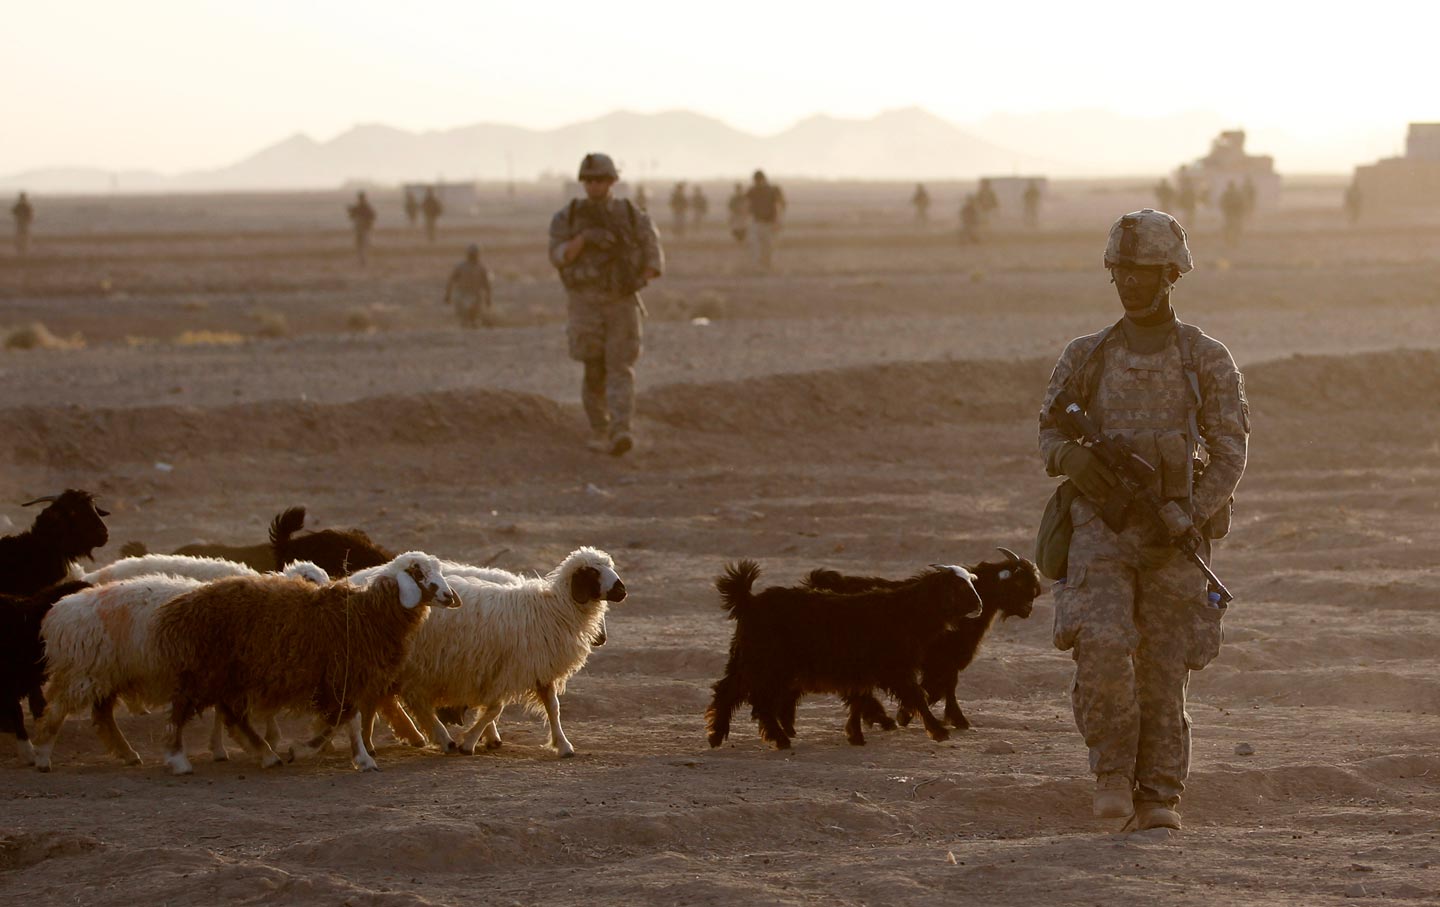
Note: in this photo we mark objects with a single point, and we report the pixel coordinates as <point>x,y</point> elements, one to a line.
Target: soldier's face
<point>597,187</point>
<point>1137,286</point>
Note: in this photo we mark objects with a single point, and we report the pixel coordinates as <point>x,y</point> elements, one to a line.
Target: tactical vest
<point>613,271</point>
<point>1145,399</point>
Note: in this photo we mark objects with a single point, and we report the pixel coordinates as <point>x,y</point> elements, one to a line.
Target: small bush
<point>360,320</point>
<point>36,336</point>
<point>271,324</point>
<point>209,338</point>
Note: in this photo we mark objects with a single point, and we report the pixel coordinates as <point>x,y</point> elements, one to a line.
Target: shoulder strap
<point>1188,335</point>
<point>570,214</point>
<point>1079,372</point>
<point>631,207</point>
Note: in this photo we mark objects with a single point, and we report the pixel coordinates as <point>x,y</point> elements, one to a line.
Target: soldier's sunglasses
<point>597,179</point>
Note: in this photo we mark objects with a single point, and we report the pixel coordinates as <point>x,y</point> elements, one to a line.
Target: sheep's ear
<point>585,585</point>
<point>427,588</point>
<point>409,590</point>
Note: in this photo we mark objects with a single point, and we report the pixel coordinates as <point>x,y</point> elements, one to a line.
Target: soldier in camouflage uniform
<point>24,214</point>
<point>469,288</point>
<point>1137,617</point>
<point>605,249</point>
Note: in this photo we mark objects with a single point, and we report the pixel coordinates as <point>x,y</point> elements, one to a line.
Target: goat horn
<point>1008,553</point>
<point>48,499</point>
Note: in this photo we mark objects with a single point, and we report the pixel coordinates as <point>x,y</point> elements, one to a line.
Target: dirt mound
<point>917,393</point>
<point>1394,379</point>
<point>79,437</point>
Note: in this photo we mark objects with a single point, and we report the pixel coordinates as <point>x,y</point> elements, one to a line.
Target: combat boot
<point>599,440</point>
<point>621,444</point>
<point>1113,798</point>
<point>1157,817</point>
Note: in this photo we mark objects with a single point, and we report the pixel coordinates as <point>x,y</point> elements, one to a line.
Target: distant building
<point>1229,163</point>
<point>1412,181</point>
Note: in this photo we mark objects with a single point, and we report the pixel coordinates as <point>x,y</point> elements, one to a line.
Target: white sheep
<point>99,648</point>
<point>513,641</point>
<point>201,568</point>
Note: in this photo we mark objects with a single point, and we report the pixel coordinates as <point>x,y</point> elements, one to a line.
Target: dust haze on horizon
<point>179,86</point>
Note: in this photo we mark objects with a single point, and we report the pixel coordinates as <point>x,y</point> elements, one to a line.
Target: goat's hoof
<point>939,735</point>
<point>452,747</point>
<point>270,761</point>
<point>904,718</point>
<point>782,744</point>
<point>492,744</point>
<point>567,754</point>
<point>133,759</point>
<point>856,740</point>
<point>714,740</point>
<point>43,767</point>
<point>289,756</point>
<point>887,725</point>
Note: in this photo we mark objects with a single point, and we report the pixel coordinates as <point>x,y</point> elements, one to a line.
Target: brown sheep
<point>269,643</point>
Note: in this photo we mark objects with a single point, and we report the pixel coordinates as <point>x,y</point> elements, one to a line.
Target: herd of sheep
<point>329,624</point>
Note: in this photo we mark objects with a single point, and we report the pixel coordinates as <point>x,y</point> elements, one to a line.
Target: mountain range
<point>905,144</point>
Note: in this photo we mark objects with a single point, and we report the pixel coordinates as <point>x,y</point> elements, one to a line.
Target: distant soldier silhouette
<point>699,206</point>
<point>679,204</point>
<point>362,219</point>
<point>970,220</point>
<point>1165,196</point>
<point>24,214</point>
<point>1353,203</point>
<point>986,200</point>
<point>606,249</point>
<point>1186,199</point>
<point>642,201</point>
<point>766,203</point>
<point>469,290</point>
<point>739,213</point>
<point>1032,204</point>
<point>431,207</point>
<point>1233,208</point>
<point>921,201</point>
<point>412,208</point>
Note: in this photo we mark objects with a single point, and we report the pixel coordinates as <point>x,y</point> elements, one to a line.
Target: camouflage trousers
<point>1136,634</point>
<point>762,244</point>
<point>606,334</point>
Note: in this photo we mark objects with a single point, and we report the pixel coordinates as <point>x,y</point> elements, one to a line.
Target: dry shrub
<point>271,324</point>
<point>196,305</point>
<point>209,338</point>
<point>360,320</point>
<point>36,336</point>
<point>709,304</point>
<point>977,276</point>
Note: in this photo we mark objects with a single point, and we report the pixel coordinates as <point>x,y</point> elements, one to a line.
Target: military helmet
<point>1148,238</point>
<point>597,164</point>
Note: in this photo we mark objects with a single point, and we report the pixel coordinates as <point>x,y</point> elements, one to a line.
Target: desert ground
<point>210,360</point>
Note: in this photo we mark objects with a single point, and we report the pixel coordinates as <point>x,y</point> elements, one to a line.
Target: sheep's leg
<point>853,731</point>
<point>425,715</point>
<point>272,732</point>
<point>36,699</point>
<point>135,706</point>
<point>324,731</point>
<point>490,738</point>
<point>13,722</point>
<point>47,730</point>
<point>483,721</point>
<point>103,715</point>
<point>400,723</point>
<point>913,698</point>
<point>551,700</point>
<point>181,711</point>
<point>722,707</point>
<point>217,739</point>
<point>237,719</point>
<point>358,753</point>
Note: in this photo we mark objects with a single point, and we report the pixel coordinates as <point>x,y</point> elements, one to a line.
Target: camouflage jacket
<point>624,238</point>
<point>1223,417</point>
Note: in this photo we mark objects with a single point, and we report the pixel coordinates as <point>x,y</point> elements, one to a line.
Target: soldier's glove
<point>599,237</point>
<point>1092,477</point>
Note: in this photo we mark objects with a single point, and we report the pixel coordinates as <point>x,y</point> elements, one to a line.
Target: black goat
<point>1007,588</point>
<point>338,552</point>
<point>22,659</point>
<point>69,529</point>
<point>792,641</point>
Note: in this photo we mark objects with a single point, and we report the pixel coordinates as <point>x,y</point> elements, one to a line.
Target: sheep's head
<point>72,520</point>
<point>593,578</point>
<point>307,571</point>
<point>1019,581</point>
<point>422,582</point>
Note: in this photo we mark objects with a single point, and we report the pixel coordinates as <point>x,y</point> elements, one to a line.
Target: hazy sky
<point>182,84</point>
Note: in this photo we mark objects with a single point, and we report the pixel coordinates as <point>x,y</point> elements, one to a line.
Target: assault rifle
<point>1135,492</point>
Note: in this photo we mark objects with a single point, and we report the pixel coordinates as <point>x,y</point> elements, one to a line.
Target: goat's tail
<point>735,586</point>
<point>289,522</point>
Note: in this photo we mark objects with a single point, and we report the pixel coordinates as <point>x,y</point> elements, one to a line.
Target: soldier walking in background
<point>699,206</point>
<point>1164,195</point>
<point>605,249</point>
<point>1233,209</point>
<point>986,201</point>
<point>970,220</point>
<point>679,204</point>
<point>1136,616</point>
<point>1032,204</point>
<point>766,204</point>
<point>921,201</point>
<point>362,219</point>
<point>412,208</point>
<point>24,214</point>
<point>431,208</point>
<point>469,289</point>
<point>1353,202</point>
<point>739,213</point>
<point>642,201</point>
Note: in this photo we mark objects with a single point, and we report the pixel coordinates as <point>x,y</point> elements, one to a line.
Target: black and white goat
<point>1007,589</point>
<point>793,640</point>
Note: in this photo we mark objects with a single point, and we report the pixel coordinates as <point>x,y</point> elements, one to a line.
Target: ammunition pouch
<point>1052,541</point>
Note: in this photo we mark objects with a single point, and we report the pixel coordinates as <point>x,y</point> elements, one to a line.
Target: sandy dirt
<point>869,407</point>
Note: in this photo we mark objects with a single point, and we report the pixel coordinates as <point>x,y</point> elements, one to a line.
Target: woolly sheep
<point>270,643</point>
